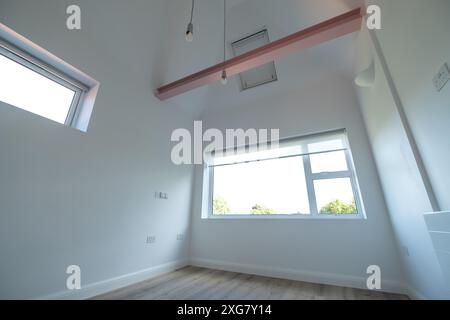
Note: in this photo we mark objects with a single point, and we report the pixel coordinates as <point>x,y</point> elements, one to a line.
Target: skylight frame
<point>274,76</point>
<point>21,57</point>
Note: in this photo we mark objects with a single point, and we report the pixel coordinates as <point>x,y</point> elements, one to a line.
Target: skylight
<point>29,90</point>
<point>259,75</point>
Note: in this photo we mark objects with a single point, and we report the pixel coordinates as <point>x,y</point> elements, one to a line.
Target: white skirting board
<point>94,289</point>
<point>415,295</point>
<point>108,285</point>
<point>392,286</point>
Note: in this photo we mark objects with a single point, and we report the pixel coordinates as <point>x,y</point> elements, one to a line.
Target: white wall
<point>68,197</point>
<point>336,251</point>
<point>73,198</point>
<point>423,29</point>
<point>411,43</point>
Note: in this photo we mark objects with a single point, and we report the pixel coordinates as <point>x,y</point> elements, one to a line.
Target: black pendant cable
<point>190,27</point>
<point>223,77</point>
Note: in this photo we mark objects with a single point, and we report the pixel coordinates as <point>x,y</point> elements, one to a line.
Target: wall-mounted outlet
<point>180,237</point>
<point>150,239</point>
<point>161,195</point>
<point>441,79</point>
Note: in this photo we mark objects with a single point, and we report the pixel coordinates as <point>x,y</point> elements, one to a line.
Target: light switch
<point>151,239</point>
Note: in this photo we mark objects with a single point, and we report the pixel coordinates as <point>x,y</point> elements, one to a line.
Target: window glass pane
<point>326,145</point>
<point>263,187</point>
<point>335,196</point>
<point>328,162</point>
<point>31,91</point>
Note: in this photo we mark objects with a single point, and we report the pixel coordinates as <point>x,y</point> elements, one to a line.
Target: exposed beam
<point>328,30</point>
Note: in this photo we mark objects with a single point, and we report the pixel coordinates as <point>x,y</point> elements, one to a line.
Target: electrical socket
<point>441,79</point>
<point>151,239</point>
<point>161,195</point>
<point>180,237</point>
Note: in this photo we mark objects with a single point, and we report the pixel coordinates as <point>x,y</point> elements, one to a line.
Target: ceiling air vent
<point>262,74</point>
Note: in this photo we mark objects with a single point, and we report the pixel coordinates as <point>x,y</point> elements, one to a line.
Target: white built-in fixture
<point>190,27</point>
<point>260,75</point>
<point>223,77</point>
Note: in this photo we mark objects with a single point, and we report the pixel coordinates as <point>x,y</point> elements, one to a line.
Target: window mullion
<point>210,172</point>
<point>355,188</point>
<point>310,185</point>
<point>73,110</point>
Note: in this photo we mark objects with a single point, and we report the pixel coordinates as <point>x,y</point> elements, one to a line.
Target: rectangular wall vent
<point>262,74</point>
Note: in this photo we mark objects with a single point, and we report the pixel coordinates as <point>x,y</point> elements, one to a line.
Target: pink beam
<point>326,31</point>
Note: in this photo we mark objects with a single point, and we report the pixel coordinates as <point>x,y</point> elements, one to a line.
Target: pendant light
<point>190,27</point>
<point>223,77</point>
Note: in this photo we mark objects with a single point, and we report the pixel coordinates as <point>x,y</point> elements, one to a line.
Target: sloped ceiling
<point>179,58</point>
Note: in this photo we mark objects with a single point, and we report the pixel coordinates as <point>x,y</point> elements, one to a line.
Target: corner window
<point>304,177</point>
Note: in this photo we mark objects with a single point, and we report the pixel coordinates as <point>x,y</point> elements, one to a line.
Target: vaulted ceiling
<point>179,58</point>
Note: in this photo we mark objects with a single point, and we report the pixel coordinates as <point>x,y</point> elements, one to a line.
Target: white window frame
<point>23,51</point>
<point>39,67</point>
<point>309,178</point>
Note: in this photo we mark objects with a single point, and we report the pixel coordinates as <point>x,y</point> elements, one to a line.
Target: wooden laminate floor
<point>194,283</point>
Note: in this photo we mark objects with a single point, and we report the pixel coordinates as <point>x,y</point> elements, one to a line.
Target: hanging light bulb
<point>190,27</point>
<point>190,32</point>
<point>224,78</point>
